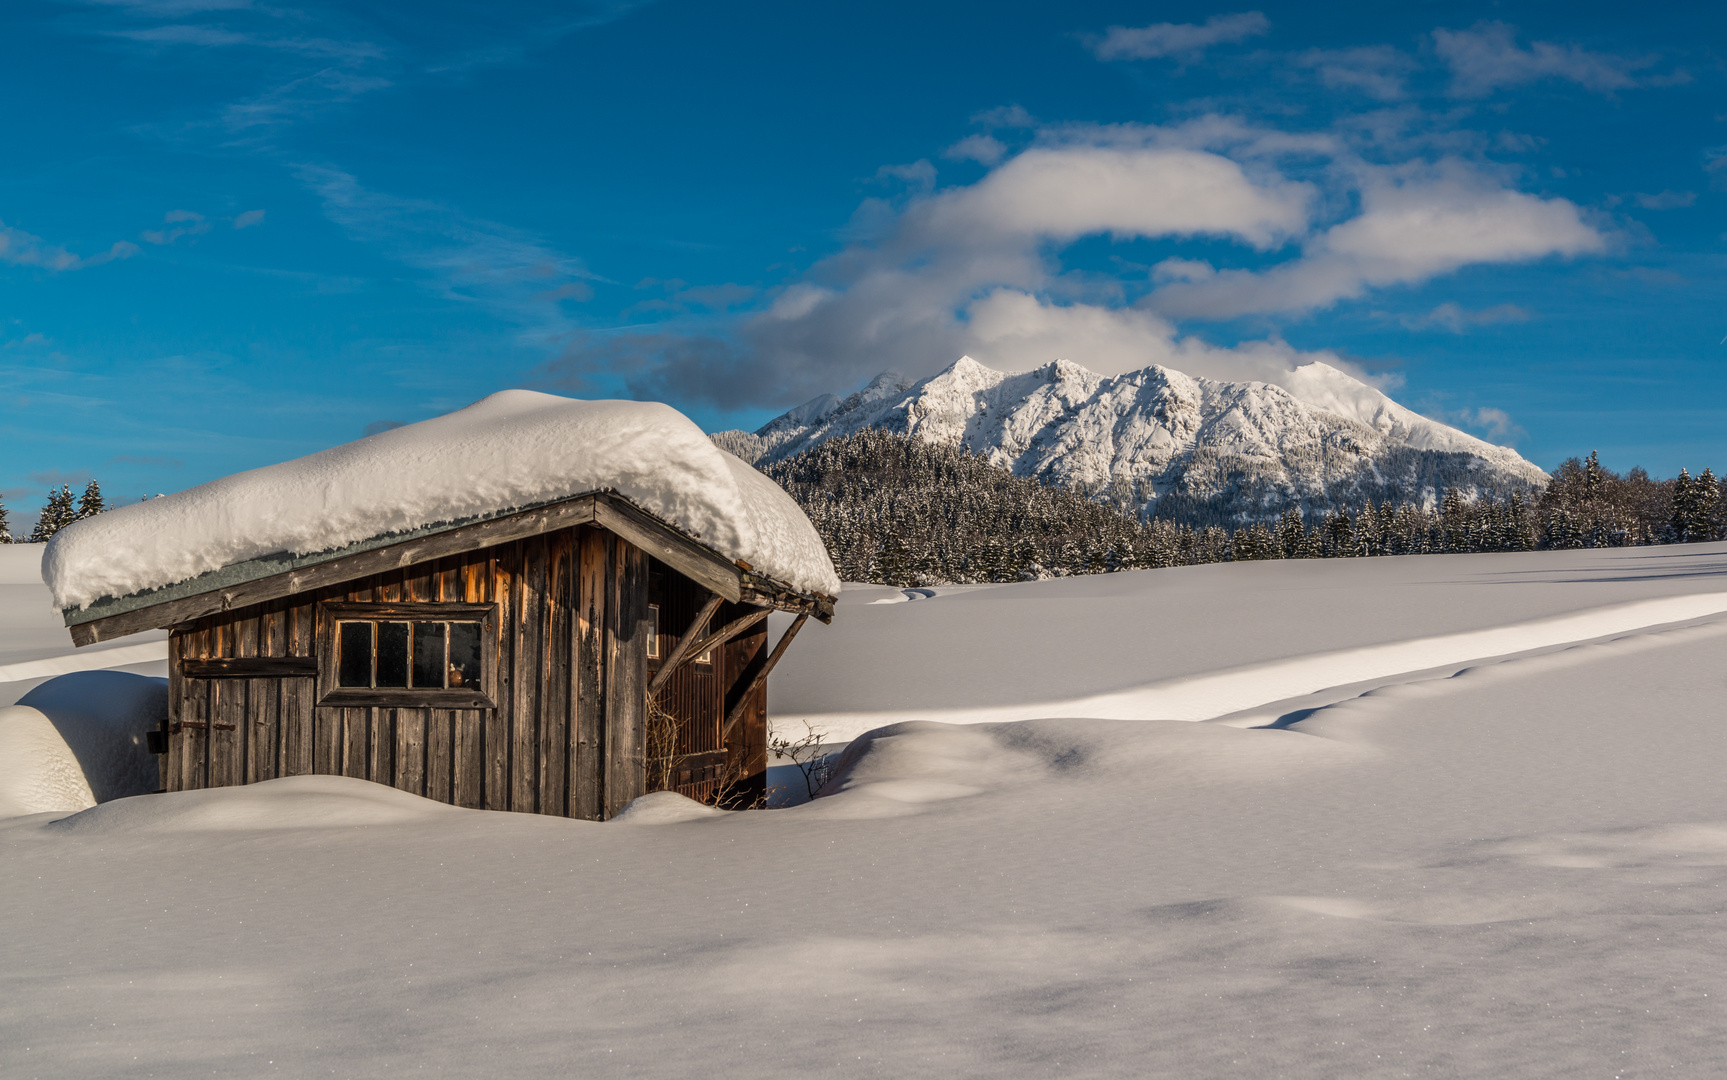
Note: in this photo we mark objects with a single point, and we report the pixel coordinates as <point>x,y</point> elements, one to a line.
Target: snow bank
<point>38,771</point>
<point>78,740</point>
<point>103,716</point>
<point>513,449</point>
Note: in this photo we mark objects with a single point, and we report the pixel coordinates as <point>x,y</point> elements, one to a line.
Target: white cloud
<point>1376,70</point>
<point>19,248</point>
<point>1182,270</point>
<point>1486,57</point>
<point>1179,39</point>
<point>1065,192</point>
<point>983,149</point>
<point>1413,227</point>
<point>248,219</point>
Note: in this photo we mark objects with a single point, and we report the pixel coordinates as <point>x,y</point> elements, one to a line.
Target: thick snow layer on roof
<point>513,449</point>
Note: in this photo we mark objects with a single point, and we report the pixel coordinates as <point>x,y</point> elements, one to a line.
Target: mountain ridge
<point>1165,443</point>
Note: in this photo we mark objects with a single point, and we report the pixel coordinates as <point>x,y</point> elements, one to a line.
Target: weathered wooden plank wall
<point>567,736</point>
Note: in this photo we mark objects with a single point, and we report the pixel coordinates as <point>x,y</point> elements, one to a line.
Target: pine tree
<point>5,526</point>
<point>1705,492</point>
<point>90,503</point>
<point>56,515</point>
<point>1680,523</point>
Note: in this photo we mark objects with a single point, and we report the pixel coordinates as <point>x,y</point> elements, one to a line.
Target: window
<point>653,631</point>
<point>427,655</point>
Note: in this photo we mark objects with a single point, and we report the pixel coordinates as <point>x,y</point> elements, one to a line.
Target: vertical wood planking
<point>228,717</point>
<point>169,766</point>
<point>356,742</point>
<point>497,724</point>
<point>527,663</point>
<point>626,662</point>
<point>588,645</point>
<point>298,726</point>
<point>195,742</point>
<point>263,699</point>
<point>554,660</point>
<point>440,746</point>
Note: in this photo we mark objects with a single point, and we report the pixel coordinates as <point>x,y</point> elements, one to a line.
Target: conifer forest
<point>908,513</point>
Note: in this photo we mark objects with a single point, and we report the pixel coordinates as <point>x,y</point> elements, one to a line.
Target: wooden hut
<point>561,659</point>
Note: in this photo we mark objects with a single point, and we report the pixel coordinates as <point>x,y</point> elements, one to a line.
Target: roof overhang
<point>275,576</point>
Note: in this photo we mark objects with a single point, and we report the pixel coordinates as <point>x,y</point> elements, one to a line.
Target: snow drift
<point>512,450</point>
<point>78,740</point>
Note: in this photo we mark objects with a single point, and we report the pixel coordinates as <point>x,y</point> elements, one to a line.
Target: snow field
<point>1515,868</point>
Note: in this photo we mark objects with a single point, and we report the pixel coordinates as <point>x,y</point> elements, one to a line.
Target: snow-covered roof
<point>512,450</point>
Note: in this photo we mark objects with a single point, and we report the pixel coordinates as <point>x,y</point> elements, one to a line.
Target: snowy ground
<point>1485,834</point>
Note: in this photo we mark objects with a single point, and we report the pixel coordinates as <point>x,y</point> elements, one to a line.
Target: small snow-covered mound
<point>292,802</point>
<point>899,769</point>
<point>78,740</point>
<point>38,772</point>
<point>511,450</point>
<point>103,716</point>
<point>664,808</point>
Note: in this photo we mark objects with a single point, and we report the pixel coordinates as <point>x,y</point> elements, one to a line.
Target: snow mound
<point>511,450</point>
<point>38,771</point>
<point>664,808</point>
<point>292,802</point>
<point>904,768</point>
<point>103,717</point>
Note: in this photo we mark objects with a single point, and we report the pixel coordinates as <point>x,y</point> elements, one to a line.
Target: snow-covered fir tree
<point>56,514</point>
<point>5,525</point>
<point>90,503</point>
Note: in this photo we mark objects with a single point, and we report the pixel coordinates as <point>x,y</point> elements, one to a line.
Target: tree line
<point>59,512</point>
<point>895,511</point>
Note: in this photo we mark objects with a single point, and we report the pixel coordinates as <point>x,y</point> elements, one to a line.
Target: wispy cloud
<point>1666,200</point>
<point>1458,319</point>
<point>20,248</point>
<point>510,271</point>
<point>1486,58</point>
<point>1182,40</point>
<point>1495,424</point>
<point>1377,71</point>
<point>180,223</point>
<point>248,219</point>
<point>981,148</point>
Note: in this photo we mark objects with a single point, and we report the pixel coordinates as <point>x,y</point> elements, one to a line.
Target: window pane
<point>465,655</point>
<point>354,654</point>
<point>392,654</point>
<point>429,655</point>
<point>653,631</point>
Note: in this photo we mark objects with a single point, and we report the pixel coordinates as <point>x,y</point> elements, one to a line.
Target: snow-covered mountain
<point>1167,442</point>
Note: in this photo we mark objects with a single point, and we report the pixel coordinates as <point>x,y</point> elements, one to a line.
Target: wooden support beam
<point>684,651</point>
<point>728,631</point>
<point>688,557</point>
<point>743,700</point>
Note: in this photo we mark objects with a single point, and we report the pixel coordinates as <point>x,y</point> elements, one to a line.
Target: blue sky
<point>235,232</point>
